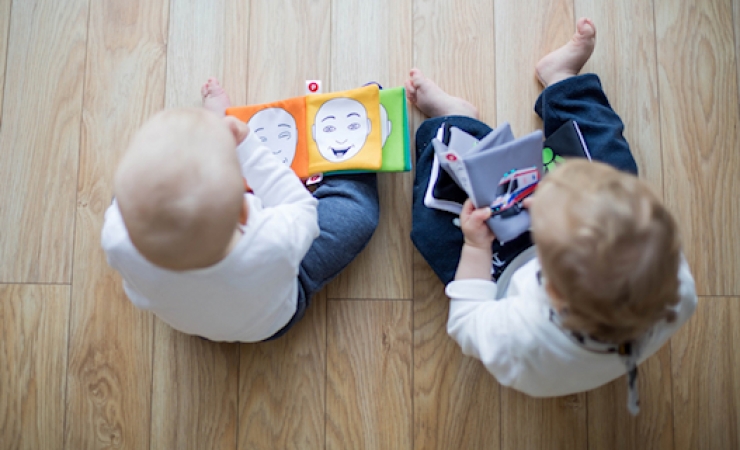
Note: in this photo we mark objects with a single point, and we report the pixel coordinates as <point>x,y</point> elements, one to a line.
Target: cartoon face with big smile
<point>276,128</point>
<point>340,129</point>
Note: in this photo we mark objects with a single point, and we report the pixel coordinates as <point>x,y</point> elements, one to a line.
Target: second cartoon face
<point>276,128</point>
<point>340,129</point>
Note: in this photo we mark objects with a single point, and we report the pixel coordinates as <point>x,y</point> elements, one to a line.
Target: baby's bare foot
<point>215,98</point>
<point>568,60</point>
<point>432,100</point>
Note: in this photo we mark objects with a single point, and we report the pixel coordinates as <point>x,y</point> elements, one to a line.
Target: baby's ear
<point>239,129</point>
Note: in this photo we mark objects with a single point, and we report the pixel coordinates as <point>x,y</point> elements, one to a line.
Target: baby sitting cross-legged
<point>209,258</point>
<point>596,286</point>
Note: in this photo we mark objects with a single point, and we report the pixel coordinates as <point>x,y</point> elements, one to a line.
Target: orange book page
<point>344,130</point>
<point>281,126</point>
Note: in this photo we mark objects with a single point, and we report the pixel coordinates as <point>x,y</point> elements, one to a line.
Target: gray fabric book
<point>498,171</point>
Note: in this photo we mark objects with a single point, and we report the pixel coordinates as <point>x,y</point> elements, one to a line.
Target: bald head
<point>180,189</point>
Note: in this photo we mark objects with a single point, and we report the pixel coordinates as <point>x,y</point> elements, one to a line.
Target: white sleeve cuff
<point>247,147</point>
<point>480,290</point>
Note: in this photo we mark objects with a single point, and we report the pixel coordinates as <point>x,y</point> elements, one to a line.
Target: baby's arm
<point>483,326</point>
<point>273,182</point>
<point>290,207</point>
<point>476,255</point>
<point>486,329</point>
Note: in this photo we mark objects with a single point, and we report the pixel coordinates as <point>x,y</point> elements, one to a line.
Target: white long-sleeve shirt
<point>252,292</point>
<point>523,348</point>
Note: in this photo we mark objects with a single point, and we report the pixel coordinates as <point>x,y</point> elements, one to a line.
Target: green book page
<point>396,154</point>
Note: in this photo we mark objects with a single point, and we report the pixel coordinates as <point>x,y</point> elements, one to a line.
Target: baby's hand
<point>474,227</point>
<point>239,129</point>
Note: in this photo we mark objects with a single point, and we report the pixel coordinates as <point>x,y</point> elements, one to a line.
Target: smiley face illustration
<point>340,129</point>
<point>276,128</point>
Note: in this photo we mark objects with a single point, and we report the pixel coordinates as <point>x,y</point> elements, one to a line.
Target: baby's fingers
<point>481,214</point>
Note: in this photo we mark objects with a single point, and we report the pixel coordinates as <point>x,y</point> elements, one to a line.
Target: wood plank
<point>519,49</point>
<point>454,46</point>
<point>194,398</point>
<point>369,371</point>
<point>282,383</point>
<point>549,423</point>
<point>200,410</point>
<point>372,41</point>
<point>110,368</point>
<point>699,116</point>
<point>456,400</point>
<point>736,21</point>
<point>527,422</point>
<point>287,30</point>
<point>40,141</point>
<point>4,25</point>
<point>626,61</point>
<point>610,425</point>
<point>33,365</point>
<point>706,376</point>
<point>282,386</point>
<point>206,38</point>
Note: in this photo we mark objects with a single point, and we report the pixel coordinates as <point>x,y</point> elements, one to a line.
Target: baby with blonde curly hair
<point>597,285</point>
<point>609,250</point>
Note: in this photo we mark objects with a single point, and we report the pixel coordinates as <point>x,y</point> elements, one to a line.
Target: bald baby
<point>180,189</point>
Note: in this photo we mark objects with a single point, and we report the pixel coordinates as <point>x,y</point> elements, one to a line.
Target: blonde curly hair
<point>609,250</point>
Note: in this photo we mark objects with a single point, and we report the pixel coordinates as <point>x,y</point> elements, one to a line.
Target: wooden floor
<point>371,366</point>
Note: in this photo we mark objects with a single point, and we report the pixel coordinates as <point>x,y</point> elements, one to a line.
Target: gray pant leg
<point>348,216</point>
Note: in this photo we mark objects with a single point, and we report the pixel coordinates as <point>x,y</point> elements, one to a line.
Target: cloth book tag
<point>313,87</point>
<point>314,179</point>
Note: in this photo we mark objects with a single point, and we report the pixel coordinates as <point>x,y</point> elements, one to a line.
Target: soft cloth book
<point>499,174</point>
<point>359,130</point>
<point>443,192</point>
<point>395,130</point>
<point>566,142</point>
<point>345,130</point>
<point>281,126</point>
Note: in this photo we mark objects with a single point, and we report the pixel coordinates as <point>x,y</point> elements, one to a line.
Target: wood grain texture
<point>282,383</point>
<point>625,59</point>
<point>736,21</point>
<point>110,362</point>
<point>454,46</point>
<point>199,410</point>
<point>4,25</point>
<point>194,395</point>
<point>206,38</point>
<point>40,141</point>
<point>518,48</point>
<point>550,423</point>
<point>33,365</point>
<point>706,376</point>
<point>676,62</point>
<point>282,386</point>
<point>527,422</point>
<point>375,45</point>
<point>369,370</point>
<point>456,401</point>
<point>288,44</point>
<point>699,117</point>
<point>610,425</point>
